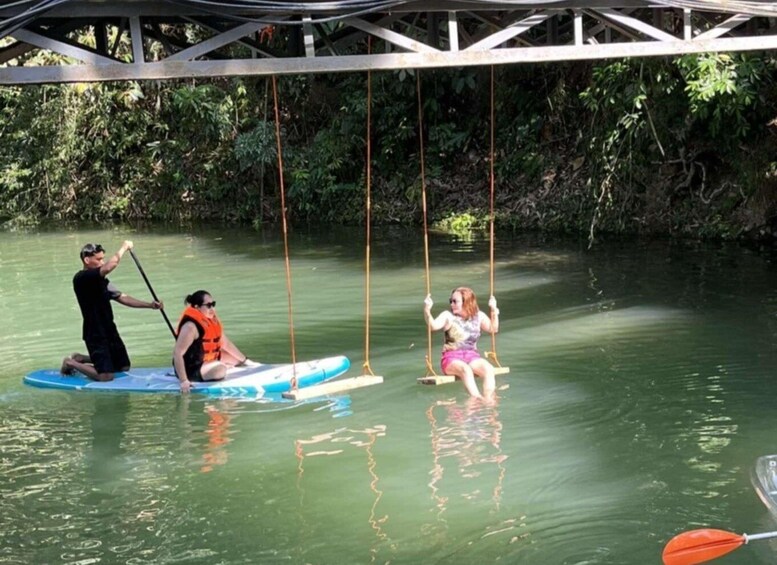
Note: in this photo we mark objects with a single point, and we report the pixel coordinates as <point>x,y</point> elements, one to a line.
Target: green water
<point>641,392</point>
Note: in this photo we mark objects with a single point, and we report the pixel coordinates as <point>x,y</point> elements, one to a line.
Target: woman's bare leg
<point>213,371</point>
<point>230,354</point>
<point>485,370</point>
<point>464,373</point>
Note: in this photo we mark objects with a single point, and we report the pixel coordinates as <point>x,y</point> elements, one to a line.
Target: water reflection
<point>340,443</point>
<point>466,437</point>
<point>104,471</point>
<point>218,430</point>
<point>210,438</point>
<point>35,475</point>
<point>108,423</point>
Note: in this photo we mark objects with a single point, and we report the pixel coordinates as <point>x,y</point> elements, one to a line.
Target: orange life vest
<point>209,329</point>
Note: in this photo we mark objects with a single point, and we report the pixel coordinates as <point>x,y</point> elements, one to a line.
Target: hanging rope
<point>367,370</point>
<point>427,272</point>
<point>492,354</point>
<point>285,233</point>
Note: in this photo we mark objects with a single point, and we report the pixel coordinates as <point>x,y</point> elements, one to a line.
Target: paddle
<point>153,294</point>
<point>697,546</point>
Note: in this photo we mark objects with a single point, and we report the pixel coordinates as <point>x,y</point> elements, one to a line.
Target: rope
<point>366,366</point>
<point>492,354</point>
<point>427,272</point>
<point>285,233</point>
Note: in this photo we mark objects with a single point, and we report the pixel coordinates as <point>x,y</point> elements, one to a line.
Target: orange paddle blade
<point>697,546</point>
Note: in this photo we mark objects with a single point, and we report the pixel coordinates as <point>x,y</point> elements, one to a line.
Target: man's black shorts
<point>108,356</point>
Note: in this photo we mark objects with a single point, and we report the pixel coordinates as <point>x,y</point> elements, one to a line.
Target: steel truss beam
<point>135,40</point>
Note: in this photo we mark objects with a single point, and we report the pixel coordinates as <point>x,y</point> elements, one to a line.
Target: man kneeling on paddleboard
<point>106,351</point>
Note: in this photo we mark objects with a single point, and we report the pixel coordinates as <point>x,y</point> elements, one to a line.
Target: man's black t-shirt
<point>94,294</point>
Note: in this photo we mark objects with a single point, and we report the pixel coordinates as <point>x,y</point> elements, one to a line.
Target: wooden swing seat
<point>436,380</point>
<point>448,379</point>
<point>332,387</point>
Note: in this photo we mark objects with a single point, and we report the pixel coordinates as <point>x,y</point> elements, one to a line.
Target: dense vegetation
<point>682,146</point>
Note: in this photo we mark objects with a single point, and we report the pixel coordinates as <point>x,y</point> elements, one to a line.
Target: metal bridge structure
<point>61,41</point>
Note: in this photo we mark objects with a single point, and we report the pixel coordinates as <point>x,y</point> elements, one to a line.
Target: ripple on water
<point>627,419</point>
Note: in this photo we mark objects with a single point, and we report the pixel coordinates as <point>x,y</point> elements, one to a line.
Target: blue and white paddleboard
<point>254,380</point>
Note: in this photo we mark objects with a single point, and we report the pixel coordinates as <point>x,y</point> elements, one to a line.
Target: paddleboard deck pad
<point>254,380</point>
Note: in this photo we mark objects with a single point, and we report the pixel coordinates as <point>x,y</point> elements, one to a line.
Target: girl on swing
<point>463,324</point>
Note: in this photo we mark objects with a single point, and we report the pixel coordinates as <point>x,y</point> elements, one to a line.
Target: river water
<point>641,391</point>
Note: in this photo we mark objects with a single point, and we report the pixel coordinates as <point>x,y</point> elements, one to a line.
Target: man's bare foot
<point>78,358</point>
<point>66,369</point>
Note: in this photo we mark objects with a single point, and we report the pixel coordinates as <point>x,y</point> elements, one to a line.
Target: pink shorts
<point>466,355</point>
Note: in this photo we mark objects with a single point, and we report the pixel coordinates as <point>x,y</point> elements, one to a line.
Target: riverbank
<point>678,147</point>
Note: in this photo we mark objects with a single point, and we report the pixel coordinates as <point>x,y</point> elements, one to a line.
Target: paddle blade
<point>697,546</point>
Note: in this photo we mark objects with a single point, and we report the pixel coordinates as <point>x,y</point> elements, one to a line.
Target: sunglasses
<point>91,249</point>
<point>209,304</point>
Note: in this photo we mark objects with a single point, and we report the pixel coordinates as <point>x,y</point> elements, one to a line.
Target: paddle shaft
<point>765,535</point>
<point>153,294</point>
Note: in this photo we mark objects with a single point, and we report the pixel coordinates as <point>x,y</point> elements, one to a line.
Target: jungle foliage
<point>670,146</point>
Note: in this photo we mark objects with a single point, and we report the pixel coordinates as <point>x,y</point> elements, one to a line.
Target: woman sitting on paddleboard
<point>202,350</point>
<point>463,325</point>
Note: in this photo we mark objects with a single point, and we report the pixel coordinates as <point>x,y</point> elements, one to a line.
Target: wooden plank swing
<point>431,377</point>
<point>367,378</point>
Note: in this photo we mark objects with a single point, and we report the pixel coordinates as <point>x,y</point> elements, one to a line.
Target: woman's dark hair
<point>196,298</point>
